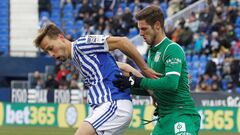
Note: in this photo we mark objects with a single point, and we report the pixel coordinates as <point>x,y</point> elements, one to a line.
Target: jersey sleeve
<point>92,44</point>
<point>173,57</point>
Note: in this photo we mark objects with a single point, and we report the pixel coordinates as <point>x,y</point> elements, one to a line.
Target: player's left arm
<point>173,58</point>
<point>126,69</point>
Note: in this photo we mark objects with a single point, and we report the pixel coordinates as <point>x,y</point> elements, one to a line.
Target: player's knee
<point>85,129</point>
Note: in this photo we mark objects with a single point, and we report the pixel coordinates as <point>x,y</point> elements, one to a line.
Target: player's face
<point>147,32</point>
<point>55,47</point>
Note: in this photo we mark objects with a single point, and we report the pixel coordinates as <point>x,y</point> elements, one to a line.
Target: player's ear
<point>157,25</point>
<point>61,37</point>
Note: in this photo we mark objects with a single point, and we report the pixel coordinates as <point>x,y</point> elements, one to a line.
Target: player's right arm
<point>125,46</point>
<point>173,57</point>
<point>126,70</point>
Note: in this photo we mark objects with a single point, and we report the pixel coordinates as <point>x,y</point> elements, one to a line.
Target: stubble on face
<point>147,32</point>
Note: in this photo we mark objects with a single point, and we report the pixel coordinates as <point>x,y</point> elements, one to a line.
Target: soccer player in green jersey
<point>176,110</point>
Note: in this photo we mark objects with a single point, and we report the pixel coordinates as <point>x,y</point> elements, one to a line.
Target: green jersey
<point>171,90</point>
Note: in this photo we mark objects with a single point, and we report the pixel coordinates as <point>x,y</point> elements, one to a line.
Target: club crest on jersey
<point>157,56</point>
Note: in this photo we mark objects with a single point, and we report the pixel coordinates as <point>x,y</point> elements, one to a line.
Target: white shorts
<point>111,118</point>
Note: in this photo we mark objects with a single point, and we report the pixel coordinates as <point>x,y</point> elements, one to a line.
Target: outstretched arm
<point>126,69</point>
<point>125,46</point>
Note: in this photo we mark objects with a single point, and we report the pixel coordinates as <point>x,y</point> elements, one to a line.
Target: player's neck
<point>159,38</point>
<point>69,48</point>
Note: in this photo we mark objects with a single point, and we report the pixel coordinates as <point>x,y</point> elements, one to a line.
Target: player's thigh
<point>175,124</point>
<point>187,123</point>
<point>111,118</point>
<point>85,129</point>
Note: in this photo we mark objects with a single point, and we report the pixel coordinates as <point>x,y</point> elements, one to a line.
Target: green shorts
<point>178,124</point>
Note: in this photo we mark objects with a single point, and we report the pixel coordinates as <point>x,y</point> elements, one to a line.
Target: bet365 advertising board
<point>71,115</point>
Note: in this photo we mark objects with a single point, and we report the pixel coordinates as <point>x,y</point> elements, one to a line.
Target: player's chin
<point>62,59</point>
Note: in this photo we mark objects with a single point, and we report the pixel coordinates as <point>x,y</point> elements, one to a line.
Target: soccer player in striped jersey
<point>175,106</point>
<point>111,108</point>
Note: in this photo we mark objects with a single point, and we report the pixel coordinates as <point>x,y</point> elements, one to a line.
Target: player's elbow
<point>123,42</point>
<point>172,81</point>
<point>172,87</point>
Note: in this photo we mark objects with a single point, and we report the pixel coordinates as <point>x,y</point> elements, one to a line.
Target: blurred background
<point>44,96</point>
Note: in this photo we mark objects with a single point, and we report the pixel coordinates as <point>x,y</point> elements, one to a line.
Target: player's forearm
<point>126,69</point>
<point>131,51</point>
<point>169,82</point>
<point>125,46</point>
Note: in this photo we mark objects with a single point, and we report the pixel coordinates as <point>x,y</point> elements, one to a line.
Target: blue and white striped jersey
<point>90,54</point>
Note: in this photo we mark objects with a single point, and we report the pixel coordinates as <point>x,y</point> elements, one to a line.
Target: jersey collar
<point>157,46</point>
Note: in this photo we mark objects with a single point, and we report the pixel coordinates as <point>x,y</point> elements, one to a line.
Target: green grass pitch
<point>24,130</point>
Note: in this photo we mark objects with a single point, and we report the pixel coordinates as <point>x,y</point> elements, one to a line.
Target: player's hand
<point>124,82</point>
<point>148,72</point>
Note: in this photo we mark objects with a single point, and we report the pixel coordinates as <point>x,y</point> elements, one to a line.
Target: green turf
<point>23,130</point>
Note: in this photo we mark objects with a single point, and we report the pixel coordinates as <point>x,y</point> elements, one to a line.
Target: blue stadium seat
<point>224,84</point>
<point>123,6</point>
<point>164,7</point>
<point>69,31</point>
<point>195,61</point>
<point>237,31</point>
<point>3,21</point>
<point>56,19</point>
<point>79,24</point>
<point>237,23</point>
<point>4,49</point>
<point>4,32</point>
<point>68,6</point>
<point>55,2</point>
<point>131,7</point>
<point>109,14</point>
<point>4,25</point>
<point>44,14</point>
<point>4,4</point>
<point>188,58</point>
<point>238,90</point>
<point>195,58</point>
<point>78,6</point>
<point>132,32</point>
<point>4,41</point>
<point>194,73</point>
<point>203,58</point>
<point>77,34</point>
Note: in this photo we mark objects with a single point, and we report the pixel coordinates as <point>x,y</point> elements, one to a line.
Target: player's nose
<point>51,54</point>
<point>141,33</point>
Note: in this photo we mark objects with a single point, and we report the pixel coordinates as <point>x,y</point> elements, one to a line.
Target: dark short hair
<point>151,14</point>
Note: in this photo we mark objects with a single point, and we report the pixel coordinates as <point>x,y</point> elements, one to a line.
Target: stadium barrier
<point>76,96</point>
<point>220,111</point>
<point>71,115</point>
<point>186,12</point>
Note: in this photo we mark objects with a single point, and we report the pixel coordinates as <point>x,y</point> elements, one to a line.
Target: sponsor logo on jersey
<point>179,127</point>
<point>174,61</point>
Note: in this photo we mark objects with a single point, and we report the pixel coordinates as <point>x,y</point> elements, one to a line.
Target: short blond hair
<point>50,30</point>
